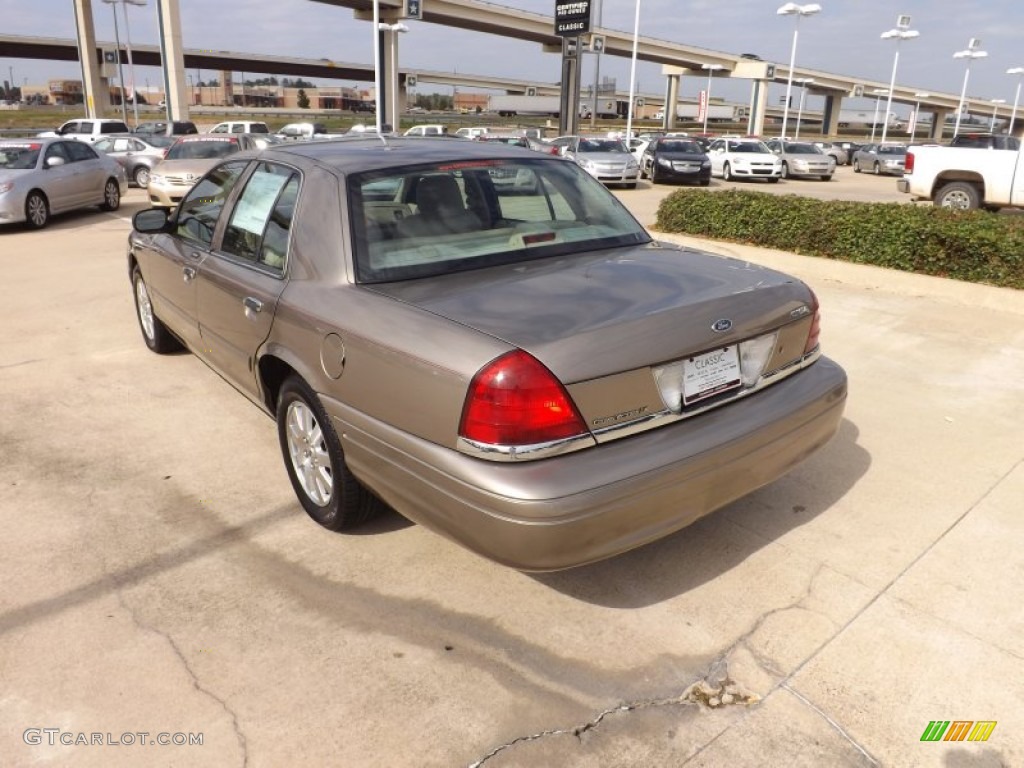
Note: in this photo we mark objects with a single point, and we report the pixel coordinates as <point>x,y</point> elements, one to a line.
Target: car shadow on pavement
<point>716,543</point>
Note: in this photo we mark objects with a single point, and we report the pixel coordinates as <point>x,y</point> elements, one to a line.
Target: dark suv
<point>986,141</point>
<point>161,128</point>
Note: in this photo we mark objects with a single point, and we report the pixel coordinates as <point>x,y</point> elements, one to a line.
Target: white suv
<point>240,126</point>
<point>89,131</point>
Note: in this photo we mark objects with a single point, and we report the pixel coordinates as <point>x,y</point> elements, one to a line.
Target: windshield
<point>202,149</point>
<point>803,149</point>
<point>602,145</point>
<point>19,157</point>
<point>680,146</point>
<point>429,220</point>
<point>747,146</point>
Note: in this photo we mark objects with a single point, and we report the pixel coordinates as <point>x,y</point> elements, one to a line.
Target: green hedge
<point>976,246</point>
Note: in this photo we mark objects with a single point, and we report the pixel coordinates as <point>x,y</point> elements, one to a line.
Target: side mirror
<point>151,221</point>
<point>53,162</point>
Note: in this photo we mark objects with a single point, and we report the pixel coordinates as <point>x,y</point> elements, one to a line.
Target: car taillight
<point>515,400</point>
<point>815,331</point>
<point>908,166</point>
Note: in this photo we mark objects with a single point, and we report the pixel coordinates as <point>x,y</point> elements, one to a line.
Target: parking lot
<point>162,579</point>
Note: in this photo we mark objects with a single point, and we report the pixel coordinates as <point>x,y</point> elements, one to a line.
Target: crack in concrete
<point>590,725</point>
<point>196,685</point>
<point>835,725</point>
<point>714,691</point>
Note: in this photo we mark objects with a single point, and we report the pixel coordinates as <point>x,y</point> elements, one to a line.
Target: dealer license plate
<point>709,374</point>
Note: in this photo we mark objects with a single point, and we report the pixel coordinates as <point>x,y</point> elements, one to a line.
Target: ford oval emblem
<point>721,326</point>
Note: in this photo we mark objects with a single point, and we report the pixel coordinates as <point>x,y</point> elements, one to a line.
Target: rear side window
<point>238,128</point>
<point>259,128</point>
<point>260,223</point>
<point>114,128</point>
<point>79,151</point>
<point>199,211</point>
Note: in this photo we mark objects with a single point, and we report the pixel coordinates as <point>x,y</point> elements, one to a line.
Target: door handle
<point>252,304</point>
<point>188,273</point>
<point>195,256</point>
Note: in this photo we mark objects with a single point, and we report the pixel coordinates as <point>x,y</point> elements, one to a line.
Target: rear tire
<point>111,196</point>
<point>958,196</point>
<point>37,210</point>
<point>323,483</point>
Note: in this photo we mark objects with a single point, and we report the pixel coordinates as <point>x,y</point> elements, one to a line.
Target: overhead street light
<point>879,93</point>
<point>711,68</point>
<point>632,76</point>
<point>917,112</point>
<point>799,11</point>
<point>1019,72</point>
<point>970,53</point>
<point>128,41</point>
<point>803,82</point>
<point>900,33</point>
<point>995,108</point>
<point>394,29</point>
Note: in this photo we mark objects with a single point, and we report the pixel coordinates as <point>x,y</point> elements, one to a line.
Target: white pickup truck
<point>964,178</point>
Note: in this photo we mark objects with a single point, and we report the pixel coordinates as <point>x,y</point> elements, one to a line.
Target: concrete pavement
<point>161,578</point>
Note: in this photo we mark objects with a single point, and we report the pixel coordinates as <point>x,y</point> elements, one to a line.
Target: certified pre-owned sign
<point>572,18</point>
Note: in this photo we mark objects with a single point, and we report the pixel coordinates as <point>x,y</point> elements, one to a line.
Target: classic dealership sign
<point>572,18</point>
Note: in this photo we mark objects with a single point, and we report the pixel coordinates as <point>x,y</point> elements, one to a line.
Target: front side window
<point>262,217</point>
<point>199,211</point>
<point>432,219</point>
<point>57,150</point>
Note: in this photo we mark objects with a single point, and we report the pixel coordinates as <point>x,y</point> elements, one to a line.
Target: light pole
<point>917,112</point>
<point>128,41</point>
<point>879,92</point>
<point>900,33</point>
<point>1019,72</point>
<point>804,82</point>
<point>632,75</point>
<point>597,70</point>
<point>394,29</point>
<point>120,67</point>
<point>970,54</point>
<point>799,11</point>
<point>711,68</point>
<point>995,108</point>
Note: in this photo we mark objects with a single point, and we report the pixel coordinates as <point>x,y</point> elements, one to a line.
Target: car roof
<point>367,153</point>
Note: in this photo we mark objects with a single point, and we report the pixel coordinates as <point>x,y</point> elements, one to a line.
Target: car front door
<point>172,262</point>
<point>240,282</point>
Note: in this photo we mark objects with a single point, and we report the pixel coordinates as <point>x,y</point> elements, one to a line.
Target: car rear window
<point>202,149</point>
<point>428,220</point>
<point>19,157</point>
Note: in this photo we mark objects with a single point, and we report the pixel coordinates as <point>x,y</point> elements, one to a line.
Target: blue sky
<point>843,38</point>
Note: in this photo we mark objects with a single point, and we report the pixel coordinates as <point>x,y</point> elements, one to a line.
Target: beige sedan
<point>517,366</point>
<point>187,160</point>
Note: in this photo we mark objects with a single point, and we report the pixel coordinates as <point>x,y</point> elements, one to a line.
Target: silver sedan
<point>137,154</point>
<point>43,176</point>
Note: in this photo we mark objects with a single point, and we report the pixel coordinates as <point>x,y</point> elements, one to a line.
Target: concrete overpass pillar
<point>671,99</point>
<point>172,58</point>
<point>830,115</point>
<point>758,107</point>
<point>672,74</point>
<point>95,94</point>
<point>939,123</point>
<point>392,96</point>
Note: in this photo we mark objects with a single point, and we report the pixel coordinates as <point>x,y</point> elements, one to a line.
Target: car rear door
<point>240,282</point>
<point>90,173</point>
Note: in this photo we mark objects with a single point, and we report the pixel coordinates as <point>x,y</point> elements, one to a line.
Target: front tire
<point>312,453</point>
<point>856,166</point>
<point>785,171</point>
<point>154,332</point>
<point>141,177</point>
<point>959,196</point>
<point>654,175</point>
<point>827,178</point>
<point>877,169</point>
<point>726,173</point>
<point>37,210</point>
<point>111,196</point>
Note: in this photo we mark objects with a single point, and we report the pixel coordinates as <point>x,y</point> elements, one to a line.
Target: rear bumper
<point>585,506</point>
<point>903,185</point>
